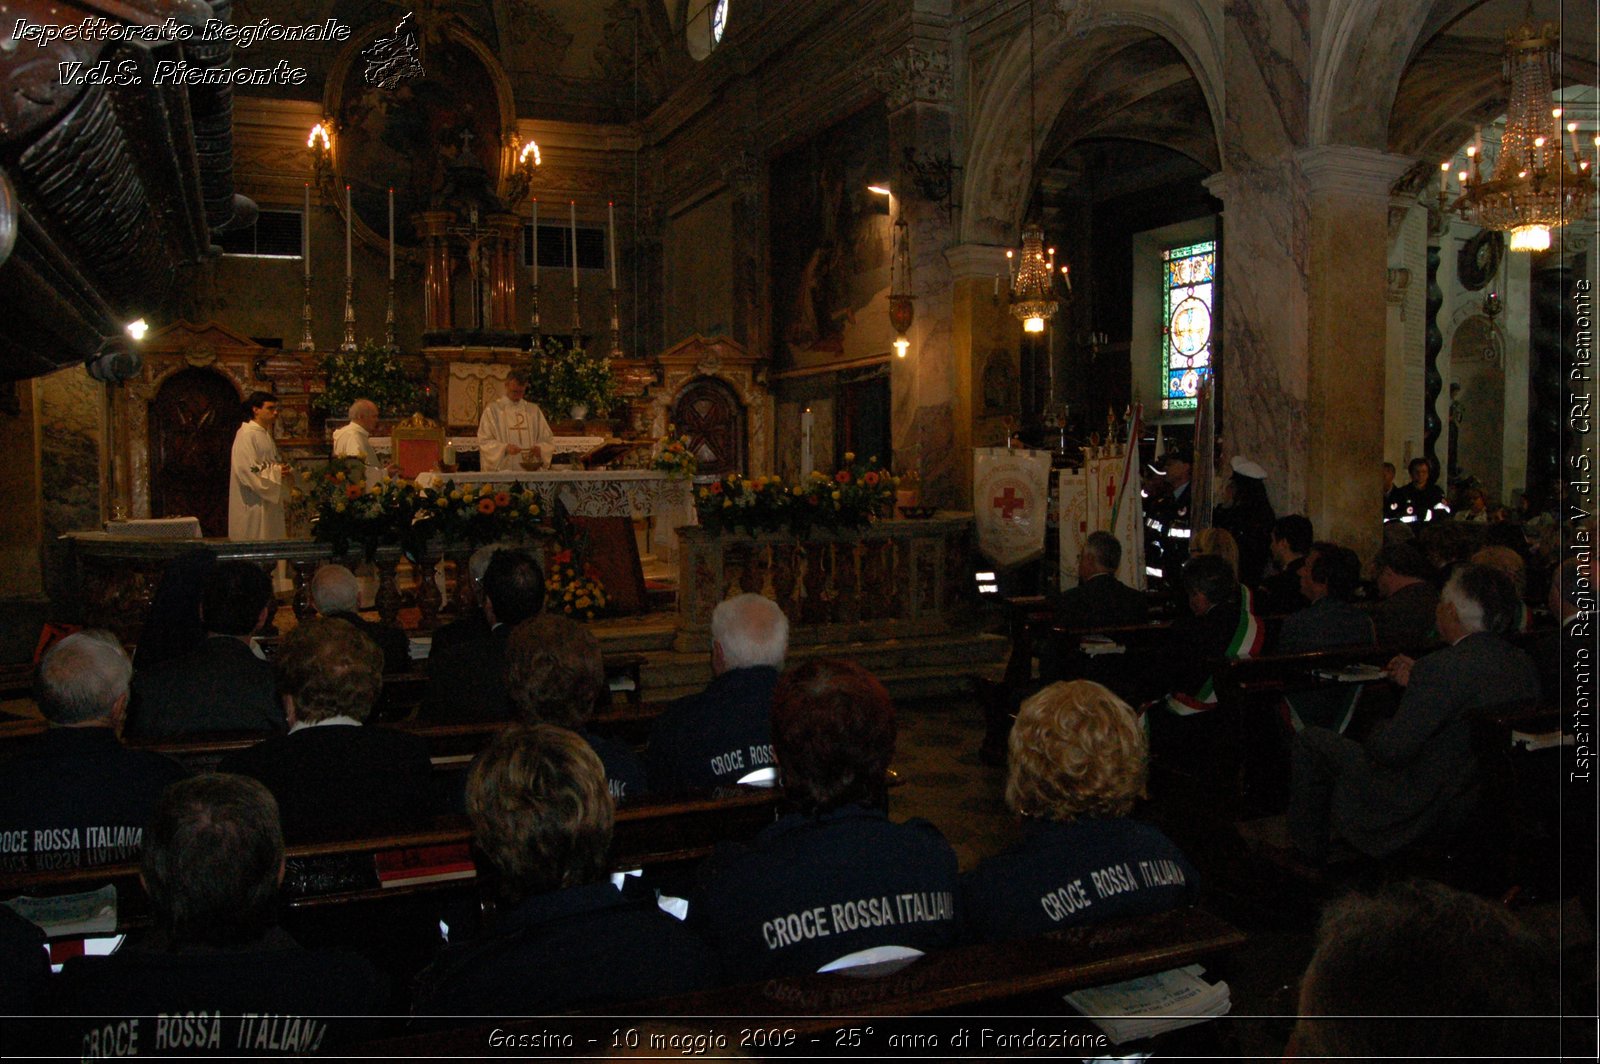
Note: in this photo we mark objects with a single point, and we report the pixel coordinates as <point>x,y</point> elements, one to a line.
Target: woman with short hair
<point>1078,764</point>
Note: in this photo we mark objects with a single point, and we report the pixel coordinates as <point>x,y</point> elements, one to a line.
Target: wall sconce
<point>528,160</point>
<point>902,306</point>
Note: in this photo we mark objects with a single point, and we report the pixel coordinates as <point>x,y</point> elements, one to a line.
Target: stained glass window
<point>1187,277</point>
<point>719,20</point>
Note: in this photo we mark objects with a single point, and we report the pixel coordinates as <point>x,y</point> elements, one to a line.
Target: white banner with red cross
<point>1103,496</point>
<point>1009,497</point>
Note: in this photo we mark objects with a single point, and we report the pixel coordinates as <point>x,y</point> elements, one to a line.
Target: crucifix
<point>473,236</point>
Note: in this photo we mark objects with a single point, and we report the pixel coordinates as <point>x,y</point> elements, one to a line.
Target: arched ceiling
<point>1453,85</point>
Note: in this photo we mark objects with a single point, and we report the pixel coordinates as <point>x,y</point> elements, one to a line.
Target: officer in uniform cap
<point>1167,519</point>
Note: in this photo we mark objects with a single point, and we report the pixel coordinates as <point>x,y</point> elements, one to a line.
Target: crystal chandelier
<point>1533,188</point>
<point>1033,296</point>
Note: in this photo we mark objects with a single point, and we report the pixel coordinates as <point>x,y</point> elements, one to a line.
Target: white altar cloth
<point>600,493</point>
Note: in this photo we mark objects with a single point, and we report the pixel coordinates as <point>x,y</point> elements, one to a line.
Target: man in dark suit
<point>472,624</point>
<point>1415,774</point>
<point>1328,580</point>
<point>332,775</point>
<point>1291,542</point>
<point>1099,601</point>
<point>467,682</point>
<point>1404,616</point>
<point>224,684</point>
<point>335,593</point>
<point>724,733</point>
<point>1217,625</point>
<point>75,795</point>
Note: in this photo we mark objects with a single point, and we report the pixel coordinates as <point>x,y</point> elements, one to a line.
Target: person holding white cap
<point>1247,513</point>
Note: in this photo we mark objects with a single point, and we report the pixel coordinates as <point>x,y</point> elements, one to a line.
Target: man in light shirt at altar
<point>513,433</point>
<point>256,488</point>
<point>355,440</point>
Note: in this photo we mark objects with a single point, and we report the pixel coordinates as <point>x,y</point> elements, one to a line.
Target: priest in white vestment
<point>256,489</point>
<point>512,429</point>
<point>355,440</point>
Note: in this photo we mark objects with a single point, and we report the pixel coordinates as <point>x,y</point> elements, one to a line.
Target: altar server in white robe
<point>355,440</point>
<point>256,487</point>
<point>510,428</point>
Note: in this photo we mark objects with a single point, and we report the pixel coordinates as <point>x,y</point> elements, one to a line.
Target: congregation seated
<point>223,684</point>
<point>1422,971</point>
<point>1414,777</point>
<point>1512,564</point>
<point>331,774</point>
<point>836,876</point>
<point>1219,624</point>
<point>75,795</point>
<point>1291,543</point>
<point>335,593</point>
<point>723,733</point>
<point>471,625</point>
<point>172,626</point>
<point>555,674</point>
<point>213,862</point>
<point>1099,600</point>
<point>1078,763</point>
<point>1328,581</point>
<point>1408,599</point>
<point>467,681</point>
<point>561,937</point>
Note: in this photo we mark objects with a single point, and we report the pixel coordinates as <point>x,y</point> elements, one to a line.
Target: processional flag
<point>1010,494</point>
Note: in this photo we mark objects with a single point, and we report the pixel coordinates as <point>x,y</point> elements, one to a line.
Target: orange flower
<point>502,498</point>
<point>716,487</point>
<point>486,506</point>
<point>353,491</point>
<point>842,476</point>
<point>870,479</point>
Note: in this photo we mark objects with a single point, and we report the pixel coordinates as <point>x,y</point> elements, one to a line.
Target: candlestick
<point>611,237</point>
<point>305,232</point>
<point>536,245</point>
<point>574,205</point>
<point>806,424</point>
<point>391,236</point>
<point>347,216</point>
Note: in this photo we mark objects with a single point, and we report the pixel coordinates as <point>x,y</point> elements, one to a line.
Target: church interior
<point>795,232</point>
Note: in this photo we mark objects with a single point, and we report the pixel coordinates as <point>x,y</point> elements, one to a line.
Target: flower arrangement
<point>674,458</point>
<point>370,372</point>
<point>573,589</point>
<point>562,377</point>
<point>477,514</point>
<point>852,497</point>
<point>343,509</point>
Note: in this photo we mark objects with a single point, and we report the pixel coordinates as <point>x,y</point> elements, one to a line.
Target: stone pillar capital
<point>915,74</point>
<point>976,260</point>
<point>1349,171</point>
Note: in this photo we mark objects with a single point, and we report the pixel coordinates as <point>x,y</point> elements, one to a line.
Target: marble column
<point>982,333</point>
<point>1347,195</point>
<point>926,393</point>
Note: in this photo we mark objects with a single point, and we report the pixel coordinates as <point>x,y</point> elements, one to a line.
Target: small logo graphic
<point>391,60</point>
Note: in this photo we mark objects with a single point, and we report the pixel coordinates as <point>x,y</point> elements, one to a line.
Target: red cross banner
<point>1009,499</point>
<point>1094,498</point>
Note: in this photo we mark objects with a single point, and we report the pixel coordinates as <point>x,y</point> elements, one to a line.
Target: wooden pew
<point>961,981</point>
<point>646,834</point>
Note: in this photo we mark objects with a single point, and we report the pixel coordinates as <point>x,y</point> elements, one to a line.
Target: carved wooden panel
<point>711,416</point>
<point>193,419</point>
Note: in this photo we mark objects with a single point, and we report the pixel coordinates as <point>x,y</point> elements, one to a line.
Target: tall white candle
<point>347,216</point>
<point>536,243</point>
<point>391,234</point>
<point>611,237</point>
<point>305,232</point>
<point>574,204</point>
<point>806,424</point>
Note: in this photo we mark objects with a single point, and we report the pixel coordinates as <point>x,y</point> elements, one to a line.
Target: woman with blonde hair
<point>1079,761</point>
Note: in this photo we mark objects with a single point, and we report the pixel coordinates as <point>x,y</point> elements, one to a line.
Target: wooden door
<point>193,420</point>
<point>712,418</point>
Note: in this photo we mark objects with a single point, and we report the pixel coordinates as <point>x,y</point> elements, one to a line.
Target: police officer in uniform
<point>1167,520</point>
<point>837,876</point>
